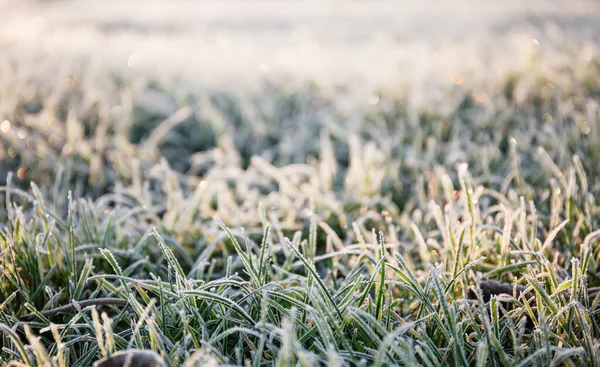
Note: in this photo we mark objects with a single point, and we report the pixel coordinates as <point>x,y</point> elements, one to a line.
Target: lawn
<point>303,222</point>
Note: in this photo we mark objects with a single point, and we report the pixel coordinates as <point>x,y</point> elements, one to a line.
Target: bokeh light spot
<point>22,133</point>
<point>373,100</point>
<point>133,60</point>
<point>5,126</point>
<point>457,79</point>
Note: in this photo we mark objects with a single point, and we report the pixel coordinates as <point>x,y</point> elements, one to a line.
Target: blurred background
<point>344,43</point>
<point>209,83</point>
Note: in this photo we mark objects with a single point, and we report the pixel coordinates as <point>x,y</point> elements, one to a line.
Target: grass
<point>269,246</point>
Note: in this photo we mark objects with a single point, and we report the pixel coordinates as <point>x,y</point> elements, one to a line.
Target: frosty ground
<point>300,182</point>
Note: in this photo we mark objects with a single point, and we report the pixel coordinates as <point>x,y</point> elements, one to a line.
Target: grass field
<point>228,210</point>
